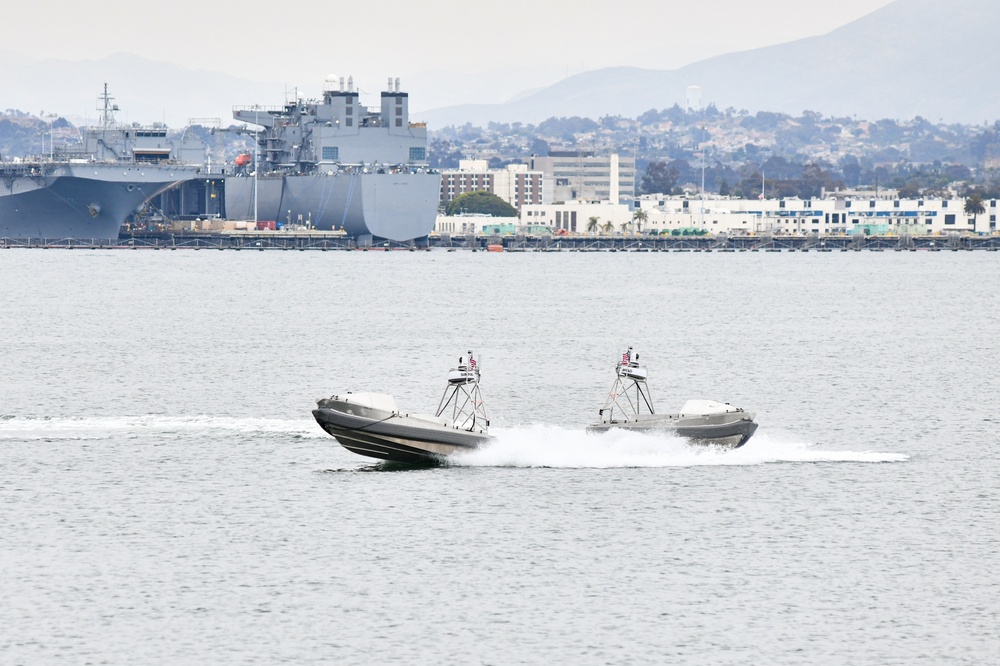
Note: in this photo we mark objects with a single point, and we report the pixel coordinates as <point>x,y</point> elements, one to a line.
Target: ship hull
<point>724,430</point>
<point>391,436</point>
<point>393,206</point>
<point>79,201</point>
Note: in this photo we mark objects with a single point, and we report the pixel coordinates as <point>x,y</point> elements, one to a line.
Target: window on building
<point>847,204</point>
<point>331,153</point>
<point>949,219</point>
<point>944,203</point>
<point>350,122</point>
<point>418,154</point>
<point>871,204</point>
<point>399,122</point>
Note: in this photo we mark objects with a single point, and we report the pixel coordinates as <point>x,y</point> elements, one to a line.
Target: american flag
<point>625,358</point>
<point>472,363</point>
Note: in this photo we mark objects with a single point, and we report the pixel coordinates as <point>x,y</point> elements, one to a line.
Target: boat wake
<point>551,446</point>
<point>527,446</point>
<point>152,425</point>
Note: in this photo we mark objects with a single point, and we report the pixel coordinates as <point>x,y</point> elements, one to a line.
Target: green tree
<point>659,178</point>
<point>480,202</point>
<point>608,227</point>
<point>639,216</point>
<point>974,207</point>
<point>592,224</point>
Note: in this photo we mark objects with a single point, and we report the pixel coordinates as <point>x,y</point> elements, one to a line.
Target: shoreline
<point>319,241</point>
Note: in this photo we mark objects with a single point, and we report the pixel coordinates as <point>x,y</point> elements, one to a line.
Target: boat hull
<point>715,429</point>
<point>79,201</point>
<point>393,206</point>
<point>392,436</point>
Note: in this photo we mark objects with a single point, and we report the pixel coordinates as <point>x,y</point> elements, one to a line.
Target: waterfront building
<point>573,175</point>
<point>477,224</point>
<point>827,216</point>
<point>574,217</point>
<point>515,183</point>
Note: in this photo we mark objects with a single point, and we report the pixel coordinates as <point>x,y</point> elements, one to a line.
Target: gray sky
<point>254,39</point>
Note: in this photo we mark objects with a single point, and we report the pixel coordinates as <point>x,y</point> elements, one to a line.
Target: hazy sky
<point>300,42</point>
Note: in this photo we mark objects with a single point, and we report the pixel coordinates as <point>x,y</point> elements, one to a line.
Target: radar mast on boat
<point>630,393</point>
<point>462,396</point>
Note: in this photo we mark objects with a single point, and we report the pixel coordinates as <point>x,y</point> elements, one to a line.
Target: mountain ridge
<point>910,58</point>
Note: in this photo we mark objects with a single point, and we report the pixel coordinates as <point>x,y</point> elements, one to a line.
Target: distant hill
<point>911,58</point>
<point>147,91</point>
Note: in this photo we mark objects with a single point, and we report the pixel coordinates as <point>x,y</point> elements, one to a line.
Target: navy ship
<point>332,164</point>
<point>88,192</point>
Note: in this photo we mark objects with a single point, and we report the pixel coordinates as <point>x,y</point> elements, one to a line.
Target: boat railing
<point>260,107</point>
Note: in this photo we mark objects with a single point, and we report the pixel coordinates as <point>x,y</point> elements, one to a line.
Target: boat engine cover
<point>382,401</point>
<point>708,407</point>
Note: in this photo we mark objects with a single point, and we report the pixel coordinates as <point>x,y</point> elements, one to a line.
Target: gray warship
<point>332,164</point>
<point>88,192</point>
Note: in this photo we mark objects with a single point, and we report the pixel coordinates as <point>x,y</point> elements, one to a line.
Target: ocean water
<point>166,498</point>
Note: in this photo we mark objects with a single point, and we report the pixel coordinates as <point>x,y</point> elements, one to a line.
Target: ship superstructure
<point>332,163</point>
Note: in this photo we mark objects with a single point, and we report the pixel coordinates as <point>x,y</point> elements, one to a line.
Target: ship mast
<point>107,110</point>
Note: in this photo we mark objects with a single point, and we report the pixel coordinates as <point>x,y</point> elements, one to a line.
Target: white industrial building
<point>574,216</point>
<point>816,216</point>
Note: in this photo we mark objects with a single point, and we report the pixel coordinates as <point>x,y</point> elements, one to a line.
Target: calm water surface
<point>166,498</point>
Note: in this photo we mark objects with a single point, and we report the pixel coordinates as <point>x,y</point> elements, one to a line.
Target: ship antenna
<point>107,112</point>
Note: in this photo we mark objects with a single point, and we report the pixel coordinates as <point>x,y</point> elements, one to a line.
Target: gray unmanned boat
<point>370,424</point>
<point>629,406</point>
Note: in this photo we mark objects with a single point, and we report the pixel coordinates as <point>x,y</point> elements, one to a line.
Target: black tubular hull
<point>397,438</point>
<point>733,434</point>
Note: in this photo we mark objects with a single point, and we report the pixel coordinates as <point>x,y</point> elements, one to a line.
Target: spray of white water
<point>551,446</point>
<point>527,446</point>
<point>151,425</point>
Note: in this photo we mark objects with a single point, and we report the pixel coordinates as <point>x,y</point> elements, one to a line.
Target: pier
<point>327,241</point>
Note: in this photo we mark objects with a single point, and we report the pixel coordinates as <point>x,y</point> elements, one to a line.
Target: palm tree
<point>974,207</point>
<point>625,226</point>
<point>592,224</point>
<point>608,227</point>
<point>639,217</point>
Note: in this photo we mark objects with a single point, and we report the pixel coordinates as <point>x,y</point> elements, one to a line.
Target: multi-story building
<point>515,184</point>
<point>573,175</point>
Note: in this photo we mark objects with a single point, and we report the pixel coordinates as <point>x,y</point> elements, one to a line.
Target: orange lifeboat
<point>243,159</point>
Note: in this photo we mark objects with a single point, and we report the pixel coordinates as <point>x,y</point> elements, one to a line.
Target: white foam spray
<point>151,425</point>
<point>551,446</point>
